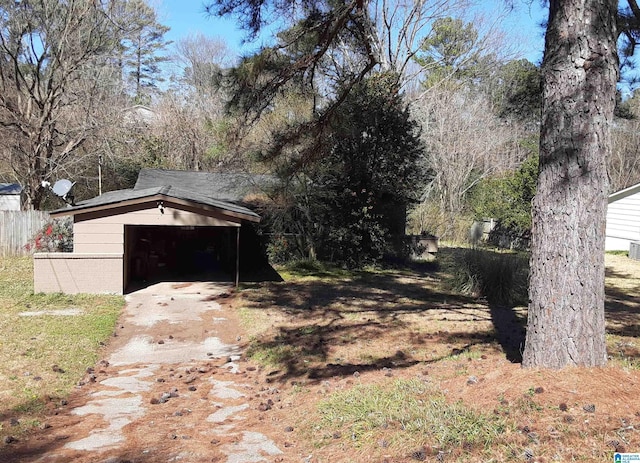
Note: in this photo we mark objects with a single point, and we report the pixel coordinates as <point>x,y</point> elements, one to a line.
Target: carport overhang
<point>99,234</point>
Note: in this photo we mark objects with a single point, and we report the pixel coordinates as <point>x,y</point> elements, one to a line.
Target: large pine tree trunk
<point>566,288</point>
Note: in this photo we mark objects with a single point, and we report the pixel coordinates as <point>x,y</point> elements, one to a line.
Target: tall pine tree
<point>142,50</point>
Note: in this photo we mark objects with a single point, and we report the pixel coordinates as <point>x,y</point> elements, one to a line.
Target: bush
<point>280,249</point>
<point>358,241</point>
<point>54,236</point>
<point>501,278</point>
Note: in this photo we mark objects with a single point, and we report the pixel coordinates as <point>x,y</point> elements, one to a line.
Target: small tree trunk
<point>566,289</point>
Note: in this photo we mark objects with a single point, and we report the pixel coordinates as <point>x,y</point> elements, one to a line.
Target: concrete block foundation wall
<point>73,273</point>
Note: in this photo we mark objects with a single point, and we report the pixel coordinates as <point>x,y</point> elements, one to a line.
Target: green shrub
<point>280,249</point>
<point>347,205</point>
<point>508,199</point>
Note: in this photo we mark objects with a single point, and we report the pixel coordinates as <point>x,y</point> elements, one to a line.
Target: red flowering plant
<point>54,236</point>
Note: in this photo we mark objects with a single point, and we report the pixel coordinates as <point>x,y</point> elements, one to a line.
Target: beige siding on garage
<point>72,273</point>
<point>108,238</point>
<point>91,237</point>
<point>103,231</point>
<point>150,214</point>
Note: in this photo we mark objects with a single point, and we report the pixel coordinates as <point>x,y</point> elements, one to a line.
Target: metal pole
<point>237,256</point>
<point>99,174</point>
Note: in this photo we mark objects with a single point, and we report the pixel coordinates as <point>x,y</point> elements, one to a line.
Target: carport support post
<point>237,256</point>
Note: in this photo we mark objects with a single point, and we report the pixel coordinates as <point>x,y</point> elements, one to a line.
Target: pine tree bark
<point>566,324</point>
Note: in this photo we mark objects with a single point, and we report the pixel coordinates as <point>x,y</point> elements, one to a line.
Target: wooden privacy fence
<point>17,228</point>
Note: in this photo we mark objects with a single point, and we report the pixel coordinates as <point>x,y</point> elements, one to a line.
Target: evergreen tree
<point>579,74</point>
<point>566,288</point>
<point>355,195</point>
<point>517,92</point>
<point>142,49</point>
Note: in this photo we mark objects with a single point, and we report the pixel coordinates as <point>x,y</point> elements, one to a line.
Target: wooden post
<point>237,256</point>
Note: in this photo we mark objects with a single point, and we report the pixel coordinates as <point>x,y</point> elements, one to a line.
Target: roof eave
<point>157,197</point>
<point>618,195</point>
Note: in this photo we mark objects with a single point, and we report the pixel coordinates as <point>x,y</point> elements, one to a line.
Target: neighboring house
<point>10,197</point>
<point>140,115</point>
<point>173,225</point>
<point>623,219</point>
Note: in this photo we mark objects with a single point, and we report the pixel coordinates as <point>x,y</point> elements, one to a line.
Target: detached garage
<point>173,225</point>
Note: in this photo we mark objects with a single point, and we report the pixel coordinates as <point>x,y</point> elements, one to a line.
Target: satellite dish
<point>62,188</point>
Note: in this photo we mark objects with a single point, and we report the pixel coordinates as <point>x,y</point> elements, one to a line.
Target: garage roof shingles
<point>234,187</point>
<point>221,191</point>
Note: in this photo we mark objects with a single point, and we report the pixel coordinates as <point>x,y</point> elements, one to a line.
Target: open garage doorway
<point>179,253</point>
<point>155,253</point>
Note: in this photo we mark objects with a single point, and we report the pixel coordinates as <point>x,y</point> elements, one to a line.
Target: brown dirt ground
<point>374,330</point>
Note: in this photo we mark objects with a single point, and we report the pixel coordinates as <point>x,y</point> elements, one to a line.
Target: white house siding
<point>623,219</point>
<point>9,202</point>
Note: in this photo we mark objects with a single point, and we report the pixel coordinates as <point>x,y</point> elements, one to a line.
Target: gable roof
<point>140,114</point>
<point>152,185</point>
<point>10,189</point>
<point>624,193</point>
<point>234,187</point>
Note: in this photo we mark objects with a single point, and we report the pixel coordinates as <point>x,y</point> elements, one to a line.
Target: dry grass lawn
<point>47,343</point>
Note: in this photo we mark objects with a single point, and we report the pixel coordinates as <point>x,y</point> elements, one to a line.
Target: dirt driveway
<point>172,386</point>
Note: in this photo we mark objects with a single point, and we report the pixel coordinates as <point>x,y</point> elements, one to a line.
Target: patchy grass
<point>623,351</point>
<point>411,413</point>
<point>48,340</point>
<point>619,253</point>
<point>312,270</point>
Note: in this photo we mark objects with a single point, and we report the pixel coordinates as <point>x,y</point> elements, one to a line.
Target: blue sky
<point>524,24</point>
<point>188,16</point>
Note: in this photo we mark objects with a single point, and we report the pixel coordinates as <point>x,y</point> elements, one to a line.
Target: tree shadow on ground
<point>622,305</point>
<point>510,326</point>
<point>49,443</point>
<point>622,314</point>
<point>403,310</point>
<point>408,309</point>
